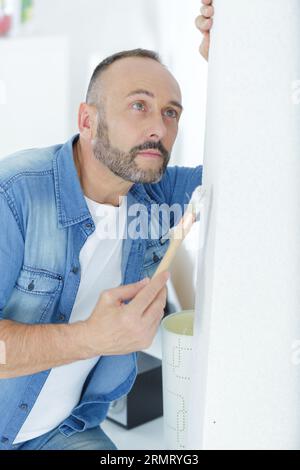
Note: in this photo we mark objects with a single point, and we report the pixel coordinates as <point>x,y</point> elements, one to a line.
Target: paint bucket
<point>177,337</point>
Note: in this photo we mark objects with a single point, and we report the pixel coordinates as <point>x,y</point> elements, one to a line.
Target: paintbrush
<point>178,233</point>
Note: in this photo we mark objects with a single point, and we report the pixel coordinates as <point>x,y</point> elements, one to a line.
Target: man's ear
<point>87,121</point>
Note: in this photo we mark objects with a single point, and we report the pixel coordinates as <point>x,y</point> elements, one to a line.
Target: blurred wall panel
<point>33,92</point>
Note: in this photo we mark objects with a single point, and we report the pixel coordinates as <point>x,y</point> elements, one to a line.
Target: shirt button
<point>4,439</point>
<point>89,225</point>
<point>62,317</point>
<point>24,406</point>
<point>155,258</point>
<point>75,269</point>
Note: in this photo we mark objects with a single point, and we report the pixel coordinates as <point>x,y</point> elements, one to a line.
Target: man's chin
<point>146,178</point>
<point>149,175</point>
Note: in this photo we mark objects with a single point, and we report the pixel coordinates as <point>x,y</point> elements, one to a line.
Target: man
<point>73,312</point>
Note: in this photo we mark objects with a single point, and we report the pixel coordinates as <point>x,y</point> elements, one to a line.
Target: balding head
<point>131,116</point>
<point>93,93</point>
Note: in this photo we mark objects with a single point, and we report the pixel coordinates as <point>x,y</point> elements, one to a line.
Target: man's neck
<point>97,181</point>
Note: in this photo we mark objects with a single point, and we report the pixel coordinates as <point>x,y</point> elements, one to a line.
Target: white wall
<point>246,337</point>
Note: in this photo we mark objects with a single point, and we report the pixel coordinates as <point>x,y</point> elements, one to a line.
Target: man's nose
<point>156,129</point>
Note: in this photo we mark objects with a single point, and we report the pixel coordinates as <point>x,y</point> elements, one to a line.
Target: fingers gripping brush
<point>178,233</point>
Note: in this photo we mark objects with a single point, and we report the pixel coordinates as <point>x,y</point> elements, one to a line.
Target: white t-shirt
<point>100,262</point>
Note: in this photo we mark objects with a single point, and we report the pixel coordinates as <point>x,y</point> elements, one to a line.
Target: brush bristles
<point>196,201</point>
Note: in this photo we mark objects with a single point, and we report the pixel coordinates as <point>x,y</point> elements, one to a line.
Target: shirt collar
<point>71,205</point>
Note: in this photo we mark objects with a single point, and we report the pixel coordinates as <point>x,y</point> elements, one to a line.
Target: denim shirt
<point>44,224</point>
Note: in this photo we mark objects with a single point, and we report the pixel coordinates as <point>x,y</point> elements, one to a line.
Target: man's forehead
<point>131,74</point>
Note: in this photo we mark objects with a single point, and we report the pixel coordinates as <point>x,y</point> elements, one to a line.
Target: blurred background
<point>48,49</point>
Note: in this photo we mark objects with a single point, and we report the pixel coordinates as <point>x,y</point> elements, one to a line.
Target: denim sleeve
<point>11,250</point>
<point>176,186</point>
<point>182,183</point>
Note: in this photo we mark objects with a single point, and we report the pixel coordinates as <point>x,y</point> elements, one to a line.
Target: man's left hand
<point>204,23</point>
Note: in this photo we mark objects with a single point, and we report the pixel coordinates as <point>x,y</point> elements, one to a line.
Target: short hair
<point>92,92</point>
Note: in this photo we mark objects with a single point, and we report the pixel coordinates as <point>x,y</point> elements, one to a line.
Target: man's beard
<point>123,164</point>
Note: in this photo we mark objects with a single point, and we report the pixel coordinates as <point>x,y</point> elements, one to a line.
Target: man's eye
<point>171,113</point>
<point>138,106</point>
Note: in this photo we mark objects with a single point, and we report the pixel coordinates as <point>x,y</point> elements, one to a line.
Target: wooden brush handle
<point>169,256</point>
<point>180,232</point>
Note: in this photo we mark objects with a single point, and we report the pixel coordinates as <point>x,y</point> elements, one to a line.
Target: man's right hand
<point>114,328</point>
<point>118,328</point>
<point>204,23</point>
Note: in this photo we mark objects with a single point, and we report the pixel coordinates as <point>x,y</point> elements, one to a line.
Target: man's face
<point>138,119</point>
